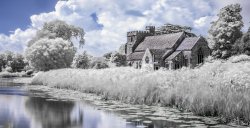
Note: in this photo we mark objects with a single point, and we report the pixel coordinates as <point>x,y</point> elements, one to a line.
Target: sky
<point>105,22</point>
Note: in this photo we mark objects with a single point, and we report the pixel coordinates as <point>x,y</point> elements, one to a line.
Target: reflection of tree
<point>53,114</point>
<point>155,123</point>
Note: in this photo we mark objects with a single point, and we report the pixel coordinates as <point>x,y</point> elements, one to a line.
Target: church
<point>171,51</point>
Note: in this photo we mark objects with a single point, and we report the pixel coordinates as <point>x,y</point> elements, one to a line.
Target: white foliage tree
<point>225,31</point>
<point>172,28</point>
<point>48,54</point>
<point>59,29</point>
<point>118,59</point>
<point>81,61</point>
<point>52,47</point>
<point>13,61</point>
<point>122,49</point>
<point>18,62</point>
<point>242,46</point>
<point>98,63</point>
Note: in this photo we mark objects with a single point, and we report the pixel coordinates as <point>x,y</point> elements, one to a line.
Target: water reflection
<point>52,114</point>
<point>7,82</point>
<point>11,114</point>
<point>20,109</point>
<point>25,111</point>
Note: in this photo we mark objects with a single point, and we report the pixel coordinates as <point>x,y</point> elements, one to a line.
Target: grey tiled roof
<point>188,43</point>
<point>164,41</point>
<point>157,52</point>
<point>173,55</point>
<point>161,46</point>
<point>167,53</point>
<point>135,56</point>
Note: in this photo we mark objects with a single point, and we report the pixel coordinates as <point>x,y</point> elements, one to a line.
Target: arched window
<point>185,61</point>
<point>139,64</point>
<point>147,59</point>
<point>200,56</point>
<point>176,65</point>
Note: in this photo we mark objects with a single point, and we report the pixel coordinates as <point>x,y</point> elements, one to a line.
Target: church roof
<point>188,43</point>
<point>135,56</point>
<point>158,53</point>
<point>161,46</point>
<point>164,41</point>
<point>173,55</point>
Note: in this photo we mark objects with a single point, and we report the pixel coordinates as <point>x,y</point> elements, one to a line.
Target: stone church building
<point>172,51</point>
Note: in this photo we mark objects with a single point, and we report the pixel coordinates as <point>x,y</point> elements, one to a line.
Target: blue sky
<point>105,21</point>
<point>16,13</point>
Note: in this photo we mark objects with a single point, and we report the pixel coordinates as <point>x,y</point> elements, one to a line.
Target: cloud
<point>106,22</point>
<point>17,40</point>
<point>203,23</point>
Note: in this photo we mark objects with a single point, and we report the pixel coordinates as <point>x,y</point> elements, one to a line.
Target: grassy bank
<point>15,74</point>
<point>218,88</point>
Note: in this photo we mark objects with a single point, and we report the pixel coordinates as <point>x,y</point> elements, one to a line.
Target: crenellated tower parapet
<point>134,38</point>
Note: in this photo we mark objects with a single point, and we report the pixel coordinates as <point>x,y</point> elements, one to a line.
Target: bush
<point>81,61</point>
<point>29,72</point>
<point>240,58</point>
<point>98,63</point>
<point>118,59</point>
<point>8,69</point>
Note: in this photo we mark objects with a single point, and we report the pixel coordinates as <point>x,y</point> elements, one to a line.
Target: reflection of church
<point>172,51</point>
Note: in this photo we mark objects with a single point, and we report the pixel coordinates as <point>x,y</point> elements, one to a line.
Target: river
<point>20,108</point>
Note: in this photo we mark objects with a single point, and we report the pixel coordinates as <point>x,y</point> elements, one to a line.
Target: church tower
<point>134,38</point>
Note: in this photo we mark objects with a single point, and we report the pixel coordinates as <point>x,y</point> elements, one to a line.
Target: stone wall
<point>201,44</point>
<point>134,38</point>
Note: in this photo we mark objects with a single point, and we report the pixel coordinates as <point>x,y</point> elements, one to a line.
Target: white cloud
<point>17,40</point>
<point>116,17</point>
<point>203,22</point>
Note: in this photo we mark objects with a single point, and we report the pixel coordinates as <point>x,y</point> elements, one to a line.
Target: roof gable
<point>164,41</point>
<point>148,54</point>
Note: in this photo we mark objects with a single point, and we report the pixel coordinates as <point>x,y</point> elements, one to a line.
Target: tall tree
<point>18,63</point>
<point>242,46</point>
<point>6,58</point>
<point>171,28</point>
<point>52,47</point>
<point>225,31</point>
<point>59,29</point>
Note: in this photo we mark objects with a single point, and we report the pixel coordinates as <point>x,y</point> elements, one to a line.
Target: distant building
<point>172,51</point>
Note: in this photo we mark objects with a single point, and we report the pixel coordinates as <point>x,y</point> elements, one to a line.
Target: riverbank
<point>219,88</point>
<point>10,75</point>
<point>139,114</point>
